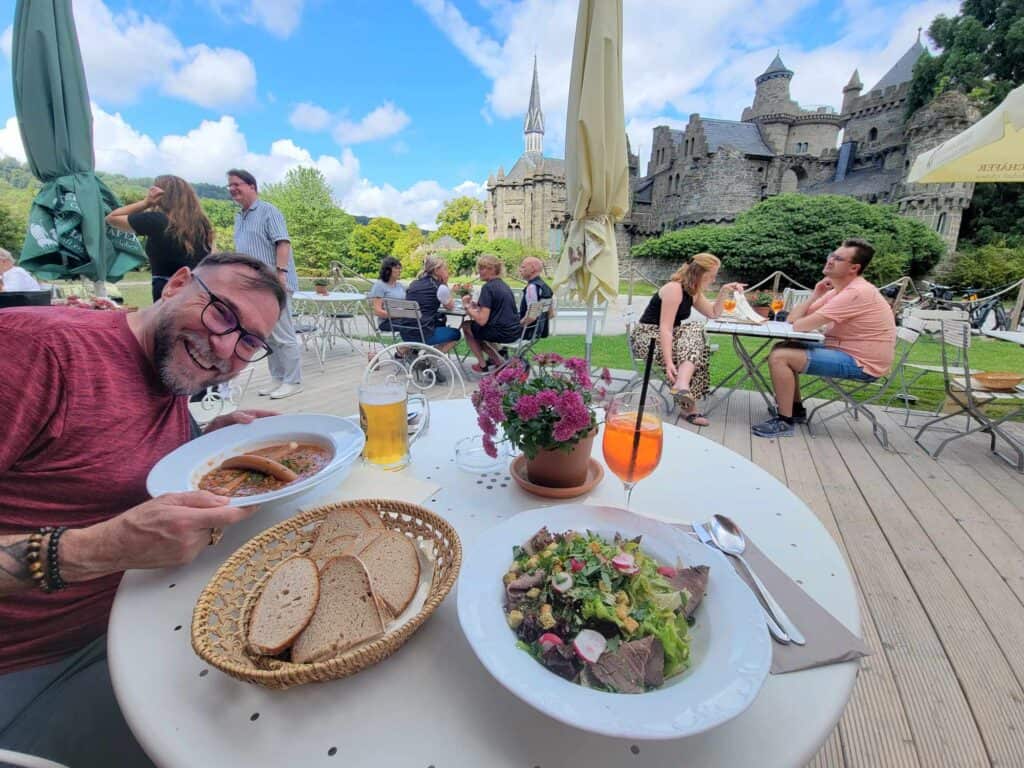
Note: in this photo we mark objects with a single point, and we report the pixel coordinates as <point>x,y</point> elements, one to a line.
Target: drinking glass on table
<point>777,304</point>
<point>729,302</point>
<point>632,453</point>
<point>384,416</point>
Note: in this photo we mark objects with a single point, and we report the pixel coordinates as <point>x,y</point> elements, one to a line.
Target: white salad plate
<point>730,651</point>
<point>182,469</point>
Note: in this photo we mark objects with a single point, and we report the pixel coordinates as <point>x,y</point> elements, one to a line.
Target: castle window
<point>873,134</point>
<point>940,226</point>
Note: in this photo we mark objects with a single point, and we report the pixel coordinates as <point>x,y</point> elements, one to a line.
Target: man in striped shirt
<point>260,232</point>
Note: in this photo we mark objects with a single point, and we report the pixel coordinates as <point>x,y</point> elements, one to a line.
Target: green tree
<point>511,253</point>
<point>371,242</point>
<point>221,214</point>
<point>454,218</point>
<point>319,229</point>
<point>406,245</point>
<point>794,233</point>
<point>12,231</point>
<point>987,268</point>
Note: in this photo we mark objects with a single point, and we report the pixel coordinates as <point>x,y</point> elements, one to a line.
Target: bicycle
<point>987,315</point>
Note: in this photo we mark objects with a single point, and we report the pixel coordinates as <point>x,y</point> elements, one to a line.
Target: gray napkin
<point>828,641</point>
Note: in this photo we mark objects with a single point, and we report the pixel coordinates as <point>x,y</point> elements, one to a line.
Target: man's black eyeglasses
<point>220,320</point>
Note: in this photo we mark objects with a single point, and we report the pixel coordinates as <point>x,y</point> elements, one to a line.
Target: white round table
<point>432,703</point>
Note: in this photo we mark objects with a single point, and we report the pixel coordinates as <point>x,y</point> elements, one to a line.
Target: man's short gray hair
<point>431,265</point>
<point>5,255</point>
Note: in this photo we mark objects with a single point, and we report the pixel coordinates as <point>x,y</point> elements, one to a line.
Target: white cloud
<point>386,120</point>
<point>7,41</point>
<point>279,17</point>
<point>127,53</point>
<point>213,77</point>
<point>675,60</point>
<point>207,151</point>
<point>309,117</point>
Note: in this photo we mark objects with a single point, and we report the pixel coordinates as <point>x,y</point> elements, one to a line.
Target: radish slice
<point>549,640</point>
<point>589,645</point>
<point>576,565</point>
<point>561,582</point>
<point>667,571</point>
<point>625,563</point>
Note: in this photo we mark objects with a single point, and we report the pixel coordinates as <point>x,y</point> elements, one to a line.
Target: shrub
<point>987,268</point>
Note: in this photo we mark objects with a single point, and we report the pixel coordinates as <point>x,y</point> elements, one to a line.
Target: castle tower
<point>533,126</point>
<point>851,91</point>
<point>771,95</point>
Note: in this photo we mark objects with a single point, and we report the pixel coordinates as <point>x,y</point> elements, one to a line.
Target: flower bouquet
<point>546,411</point>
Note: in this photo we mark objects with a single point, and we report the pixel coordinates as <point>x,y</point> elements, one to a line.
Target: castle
<point>713,170</point>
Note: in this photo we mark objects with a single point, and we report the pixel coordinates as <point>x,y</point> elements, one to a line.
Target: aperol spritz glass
<point>777,304</point>
<point>729,302</point>
<point>632,453</point>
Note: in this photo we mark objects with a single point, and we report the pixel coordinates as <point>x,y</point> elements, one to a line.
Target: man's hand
<point>239,417</point>
<point>169,530</point>
<point>822,287</point>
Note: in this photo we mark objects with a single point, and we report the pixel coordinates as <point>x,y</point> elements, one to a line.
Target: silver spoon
<point>730,539</point>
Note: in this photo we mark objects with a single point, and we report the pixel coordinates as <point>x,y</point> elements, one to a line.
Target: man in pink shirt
<point>860,336</point>
<point>91,401</point>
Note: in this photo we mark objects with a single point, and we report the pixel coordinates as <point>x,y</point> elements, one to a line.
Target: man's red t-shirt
<point>85,417</point>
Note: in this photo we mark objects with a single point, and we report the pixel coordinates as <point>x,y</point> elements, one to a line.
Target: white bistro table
<point>432,703</point>
<point>329,311</point>
<point>750,362</point>
<point>1017,337</point>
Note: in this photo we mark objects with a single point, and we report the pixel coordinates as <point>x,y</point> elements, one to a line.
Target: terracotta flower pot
<point>558,469</point>
<point>763,311</point>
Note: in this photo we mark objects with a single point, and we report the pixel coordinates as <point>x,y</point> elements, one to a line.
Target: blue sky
<point>403,103</point>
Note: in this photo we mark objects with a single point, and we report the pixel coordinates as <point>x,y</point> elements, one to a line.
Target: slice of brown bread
<point>371,517</point>
<point>360,542</point>
<point>394,568</point>
<point>338,528</point>
<point>346,613</point>
<point>285,606</point>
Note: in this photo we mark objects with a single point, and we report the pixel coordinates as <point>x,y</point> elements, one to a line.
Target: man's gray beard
<point>163,346</point>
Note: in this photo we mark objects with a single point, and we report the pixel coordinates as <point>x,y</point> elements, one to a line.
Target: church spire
<point>533,127</point>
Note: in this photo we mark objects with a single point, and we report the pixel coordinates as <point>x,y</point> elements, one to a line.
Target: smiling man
<point>860,335</point>
<point>91,401</point>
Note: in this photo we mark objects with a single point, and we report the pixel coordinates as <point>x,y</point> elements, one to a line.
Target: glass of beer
<point>384,417</point>
<point>632,444</point>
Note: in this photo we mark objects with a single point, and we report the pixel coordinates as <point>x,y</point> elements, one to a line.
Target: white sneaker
<point>271,388</point>
<point>285,390</point>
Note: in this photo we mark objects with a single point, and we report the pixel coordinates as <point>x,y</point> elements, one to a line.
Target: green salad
<point>601,613</point>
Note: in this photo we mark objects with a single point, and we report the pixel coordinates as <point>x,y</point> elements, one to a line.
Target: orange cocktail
<point>777,304</point>
<point>729,305</point>
<point>619,435</point>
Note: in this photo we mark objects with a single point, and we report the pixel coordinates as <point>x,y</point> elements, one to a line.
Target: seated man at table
<point>860,336</point>
<point>430,290</point>
<point>91,401</point>
<point>535,290</point>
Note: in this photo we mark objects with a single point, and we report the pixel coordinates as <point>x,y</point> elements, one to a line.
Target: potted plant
<point>547,412</point>
<point>320,286</point>
<point>462,289</point>
<point>763,304</point>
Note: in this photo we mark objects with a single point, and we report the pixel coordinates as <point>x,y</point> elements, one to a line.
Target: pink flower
<point>527,407</point>
<point>547,398</point>
<point>514,371</point>
<point>489,447</point>
<point>486,425</point>
<point>580,371</point>
<point>606,375</point>
<point>574,416</point>
<point>549,358</point>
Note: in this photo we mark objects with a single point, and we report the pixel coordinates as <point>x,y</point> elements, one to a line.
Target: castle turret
<point>851,91</point>
<point>771,95</point>
<point>533,126</point>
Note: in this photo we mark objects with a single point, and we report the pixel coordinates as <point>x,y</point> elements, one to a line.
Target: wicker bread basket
<point>221,617</point>
<point>998,380</point>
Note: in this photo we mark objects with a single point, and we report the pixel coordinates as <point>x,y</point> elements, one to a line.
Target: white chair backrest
<point>417,366</point>
<point>402,309</point>
<point>957,334</point>
<point>537,309</point>
<point>792,297</point>
<point>913,323</point>
<point>909,335</point>
<point>934,318</point>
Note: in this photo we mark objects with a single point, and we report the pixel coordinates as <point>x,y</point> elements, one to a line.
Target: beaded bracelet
<point>53,561</point>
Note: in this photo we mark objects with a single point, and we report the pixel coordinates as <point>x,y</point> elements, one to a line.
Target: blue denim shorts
<point>833,363</point>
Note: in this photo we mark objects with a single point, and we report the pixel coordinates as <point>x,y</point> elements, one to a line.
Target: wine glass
<point>777,304</point>
<point>729,302</point>
<point>631,453</point>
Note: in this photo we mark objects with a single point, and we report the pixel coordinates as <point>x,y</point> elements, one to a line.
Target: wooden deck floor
<point>936,549</point>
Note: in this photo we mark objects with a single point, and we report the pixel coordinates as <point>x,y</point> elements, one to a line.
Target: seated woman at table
<point>494,317</point>
<point>386,286</point>
<point>178,233</point>
<point>682,349</point>
<point>430,290</point>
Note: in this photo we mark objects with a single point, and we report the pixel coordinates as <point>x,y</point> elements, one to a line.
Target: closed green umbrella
<point>67,232</point>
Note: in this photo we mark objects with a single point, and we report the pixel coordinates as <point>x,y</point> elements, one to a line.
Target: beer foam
<point>382,394</point>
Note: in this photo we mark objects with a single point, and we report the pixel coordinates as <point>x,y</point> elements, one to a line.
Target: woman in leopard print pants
<point>681,348</point>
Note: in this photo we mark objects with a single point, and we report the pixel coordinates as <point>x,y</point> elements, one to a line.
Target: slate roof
<point>859,183</point>
<point>742,136</point>
<point>534,122</point>
<point>903,70</point>
<point>529,163</point>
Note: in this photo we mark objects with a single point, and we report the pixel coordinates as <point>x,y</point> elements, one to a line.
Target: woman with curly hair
<point>681,349</point>
<point>178,234</point>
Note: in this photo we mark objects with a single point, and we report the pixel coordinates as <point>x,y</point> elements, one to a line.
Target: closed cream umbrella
<point>990,150</point>
<point>596,166</point>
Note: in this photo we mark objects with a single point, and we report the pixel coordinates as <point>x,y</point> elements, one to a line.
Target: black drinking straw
<point>640,409</point>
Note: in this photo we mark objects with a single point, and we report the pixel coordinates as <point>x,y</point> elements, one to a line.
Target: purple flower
<point>512,372</point>
<point>547,398</point>
<point>606,375</point>
<point>489,447</point>
<point>527,407</point>
<point>574,416</point>
<point>580,371</point>
<point>486,425</point>
<point>549,358</point>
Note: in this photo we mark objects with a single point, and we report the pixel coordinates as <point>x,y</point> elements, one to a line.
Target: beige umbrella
<point>597,169</point>
<point>990,150</point>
